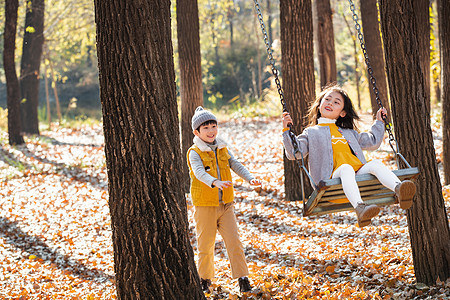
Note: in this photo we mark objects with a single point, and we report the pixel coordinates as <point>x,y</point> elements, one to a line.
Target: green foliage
<point>79,121</point>
<point>15,163</point>
<point>232,76</point>
<point>70,37</point>
<point>42,114</point>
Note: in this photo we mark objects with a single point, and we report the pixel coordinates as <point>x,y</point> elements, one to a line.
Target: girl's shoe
<point>405,192</point>
<point>365,213</point>
<point>205,283</point>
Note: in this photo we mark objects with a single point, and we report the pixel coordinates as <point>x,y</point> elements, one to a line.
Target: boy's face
<point>207,133</point>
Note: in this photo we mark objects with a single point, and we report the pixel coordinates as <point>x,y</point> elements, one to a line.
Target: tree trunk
<point>230,15</point>
<point>374,48</point>
<point>444,38</point>
<point>33,40</point>
<point>296,35</point>
<point>422,14</point>
<point>55,90</point>
<point>427,219</point>
<point>269,22</point>
<point>191,90</point>
<point>12,83</point>
<point>326,51</point>
<point>47,98</point>
<point>153,258</point>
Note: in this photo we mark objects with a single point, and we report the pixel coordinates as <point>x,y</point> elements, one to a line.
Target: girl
<point>335,150</point>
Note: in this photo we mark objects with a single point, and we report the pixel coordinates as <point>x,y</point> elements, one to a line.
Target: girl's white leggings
<point>374,167</point>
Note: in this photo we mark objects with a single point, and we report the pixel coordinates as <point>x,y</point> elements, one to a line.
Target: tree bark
<point>296,36</point>
<point>427,219</point>
<point>191,90</point>
<point>326,51</point>
<point>230,16</point>
<point>444,39</point>
<point>153,258</point>
<point>422,14</point>
<point>12,83</point>
<point>374,49</point>
<point>33,40</point>
<point>269,21</point>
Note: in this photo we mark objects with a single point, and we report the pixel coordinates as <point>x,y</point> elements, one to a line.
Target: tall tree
<point>296,26</point>
<point>427,220</point>
<point>269,21</point>
<point>422,14</point>
<point>230,15</point>
<point>325,38</point>
<point>444,40</point>
<point>33,40</point>
<point>191,90</point>
<point>153,258</point>
<point>374,49</point>
<point>12,83</point>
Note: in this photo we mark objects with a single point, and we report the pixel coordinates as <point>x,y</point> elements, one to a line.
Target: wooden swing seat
<point>330,198</point>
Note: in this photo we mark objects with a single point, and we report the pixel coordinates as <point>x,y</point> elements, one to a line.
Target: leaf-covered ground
<point>55,238</point>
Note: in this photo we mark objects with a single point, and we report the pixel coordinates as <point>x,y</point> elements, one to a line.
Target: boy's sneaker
<point>205,283</point>
<point>405,192</point>
<point>365,213</point>
<point>244,285</point>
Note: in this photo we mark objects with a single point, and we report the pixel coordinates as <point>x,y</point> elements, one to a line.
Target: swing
<point>328,196</point>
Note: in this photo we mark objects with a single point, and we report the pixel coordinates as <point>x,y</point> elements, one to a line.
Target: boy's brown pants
<point>209,219</point>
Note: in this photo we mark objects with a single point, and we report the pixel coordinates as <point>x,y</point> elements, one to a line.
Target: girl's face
<point>207,133</point>
<point>332,106</point>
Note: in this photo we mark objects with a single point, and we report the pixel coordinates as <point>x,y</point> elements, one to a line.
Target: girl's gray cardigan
<point>316,141</point>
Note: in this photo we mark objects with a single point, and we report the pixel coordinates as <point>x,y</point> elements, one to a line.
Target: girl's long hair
<point>344,122</point>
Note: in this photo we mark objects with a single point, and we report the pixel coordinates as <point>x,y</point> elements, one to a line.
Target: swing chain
<point>270,54</point>
<point>280,92</point>
<point>388,126</point>
<point>274,71</point>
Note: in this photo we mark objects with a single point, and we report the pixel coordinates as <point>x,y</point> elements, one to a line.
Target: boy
<point>212,194</point>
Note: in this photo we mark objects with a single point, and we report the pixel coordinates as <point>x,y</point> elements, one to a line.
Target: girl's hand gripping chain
<point>287,120</point>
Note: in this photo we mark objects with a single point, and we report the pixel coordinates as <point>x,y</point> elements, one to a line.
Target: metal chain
<point>280,92</point>
<point>270,55</point>
<point>387,126</point>
<point>274,71</point>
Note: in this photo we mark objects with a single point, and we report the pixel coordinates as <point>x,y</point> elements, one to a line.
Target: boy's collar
<point>203,146</point>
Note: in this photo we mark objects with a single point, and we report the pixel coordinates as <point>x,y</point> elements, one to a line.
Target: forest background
<point>234,60</point>
<point>236,83</point>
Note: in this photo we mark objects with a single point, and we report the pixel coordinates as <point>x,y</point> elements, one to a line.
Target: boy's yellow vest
<point>202,194</point>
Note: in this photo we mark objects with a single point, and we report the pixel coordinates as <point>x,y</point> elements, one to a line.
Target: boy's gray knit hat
<point>201,116</point>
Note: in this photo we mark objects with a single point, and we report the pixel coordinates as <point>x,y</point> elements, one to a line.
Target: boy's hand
<point>222,184</point>
<point>257,185</point>
<point>286,120</point>
<point>255,182</point>
<point>380,113</point>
